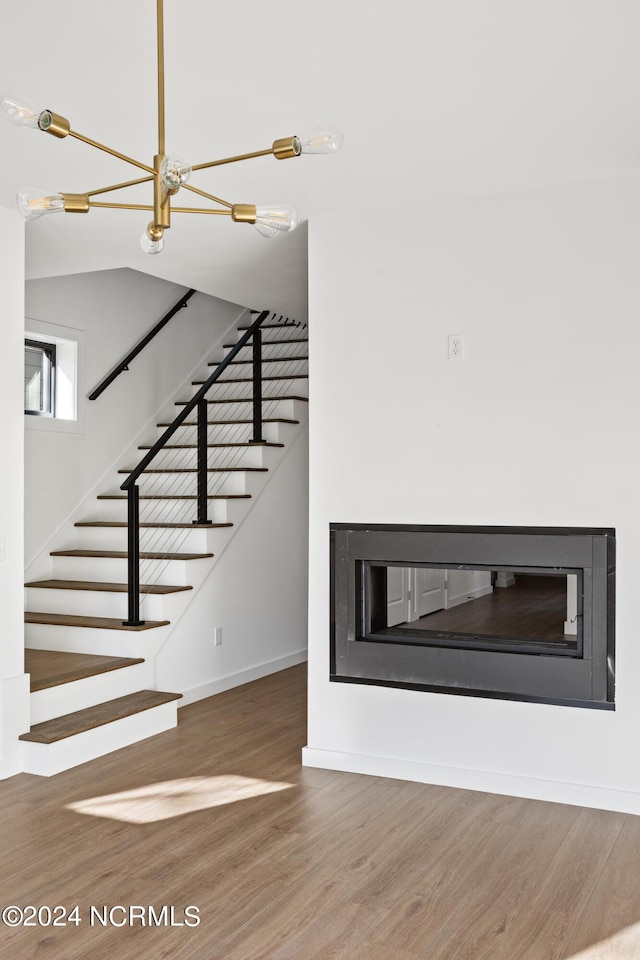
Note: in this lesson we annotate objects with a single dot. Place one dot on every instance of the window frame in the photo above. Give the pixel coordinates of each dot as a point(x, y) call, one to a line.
point(48, 350)
point(70, 367)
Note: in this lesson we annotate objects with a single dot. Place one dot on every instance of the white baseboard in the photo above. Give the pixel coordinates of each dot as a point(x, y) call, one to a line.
point(210, 689)
point(486, 781)
point(469, 595)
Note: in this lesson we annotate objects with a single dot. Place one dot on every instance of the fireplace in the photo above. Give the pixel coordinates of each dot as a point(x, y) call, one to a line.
point(519, 613)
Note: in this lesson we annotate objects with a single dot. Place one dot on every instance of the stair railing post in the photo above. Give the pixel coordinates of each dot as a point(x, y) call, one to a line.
point(203, 456)
point(133, 556)
point(257, 387)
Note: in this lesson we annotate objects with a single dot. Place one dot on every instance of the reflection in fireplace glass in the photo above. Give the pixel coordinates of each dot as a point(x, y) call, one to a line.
point(475, 607)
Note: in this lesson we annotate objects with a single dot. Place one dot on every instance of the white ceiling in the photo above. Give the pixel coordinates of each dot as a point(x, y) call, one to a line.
point(437, 99)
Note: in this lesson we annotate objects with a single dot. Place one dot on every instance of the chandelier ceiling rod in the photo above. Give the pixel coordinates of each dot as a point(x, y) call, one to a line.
point(160, 33)
point(168, 174)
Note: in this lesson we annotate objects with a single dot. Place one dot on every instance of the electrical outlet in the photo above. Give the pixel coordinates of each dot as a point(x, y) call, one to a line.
point(456, 346)
point(217, 636)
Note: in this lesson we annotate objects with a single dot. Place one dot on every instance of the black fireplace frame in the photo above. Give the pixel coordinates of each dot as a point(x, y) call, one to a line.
point(582, 677)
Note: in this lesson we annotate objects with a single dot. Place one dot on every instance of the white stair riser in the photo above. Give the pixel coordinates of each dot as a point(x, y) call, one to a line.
point(95, 603)
point(105, 643)
point(253, 456)
point(198, 540)
point(272, 342)
point(89, 692)
point(116, 571)
point(164, 540)
point(219, 511)
point(227, 432)
point(239, 432)
point(235, 432)
point(269, 349)
point(187, 483)
point(243, 409)
point(284, 387)
point(47, 760)
point(281, 332)
point(276, 366)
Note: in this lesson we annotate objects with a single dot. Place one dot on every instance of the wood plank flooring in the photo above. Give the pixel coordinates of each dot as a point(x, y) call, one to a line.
point(286, 863)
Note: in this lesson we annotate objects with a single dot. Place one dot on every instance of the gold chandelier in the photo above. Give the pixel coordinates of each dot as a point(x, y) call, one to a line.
point(169, 174)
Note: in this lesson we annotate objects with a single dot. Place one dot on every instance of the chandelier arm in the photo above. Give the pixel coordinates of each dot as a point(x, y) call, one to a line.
point(142, 206)
point(221, 213)
point(120, 206)
point(242, 156)
point(207, 196)
point(118, 186)
point(113, 153)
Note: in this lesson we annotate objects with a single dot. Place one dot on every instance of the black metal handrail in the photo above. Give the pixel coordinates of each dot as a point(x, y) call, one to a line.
point(197, 401)
point(139, 347)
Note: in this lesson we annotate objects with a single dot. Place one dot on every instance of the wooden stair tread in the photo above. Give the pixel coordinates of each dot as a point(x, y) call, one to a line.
point(228, 423)
point(176, 496)
point(212, 446)
point(183, 403)
point(82, 720)
point(122, 555)
point(195, 470)
point(265, 343)
point(100, 586)
point(275, 326)
point(94, 623)
point(264, 360)
point(284, 376)
point(51, 668)
point(158, 525)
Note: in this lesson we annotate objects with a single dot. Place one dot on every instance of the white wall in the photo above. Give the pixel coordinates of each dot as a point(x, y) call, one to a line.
point(537, 425)
point(113, 310)
point(256, 592)
point(14, 690)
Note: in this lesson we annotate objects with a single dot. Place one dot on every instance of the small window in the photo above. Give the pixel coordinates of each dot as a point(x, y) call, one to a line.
point(39, 378)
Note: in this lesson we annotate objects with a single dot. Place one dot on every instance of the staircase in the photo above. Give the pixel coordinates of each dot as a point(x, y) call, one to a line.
point(92, 674)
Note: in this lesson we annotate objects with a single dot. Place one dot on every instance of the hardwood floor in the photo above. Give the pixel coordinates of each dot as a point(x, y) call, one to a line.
point(286, 863)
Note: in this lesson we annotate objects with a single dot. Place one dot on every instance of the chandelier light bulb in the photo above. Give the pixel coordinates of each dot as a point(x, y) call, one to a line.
point(272, 220)
point(174, 172)
point(320, 140)
point(152, 240)
point(14, 110)
point(33, 204)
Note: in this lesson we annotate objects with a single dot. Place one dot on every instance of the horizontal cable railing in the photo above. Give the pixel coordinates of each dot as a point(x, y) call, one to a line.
point(180, 471)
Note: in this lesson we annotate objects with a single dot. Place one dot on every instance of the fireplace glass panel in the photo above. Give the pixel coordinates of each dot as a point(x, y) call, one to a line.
point(474, 607)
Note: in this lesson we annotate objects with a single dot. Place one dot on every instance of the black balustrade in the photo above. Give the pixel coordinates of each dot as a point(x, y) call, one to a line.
point(199, 403)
